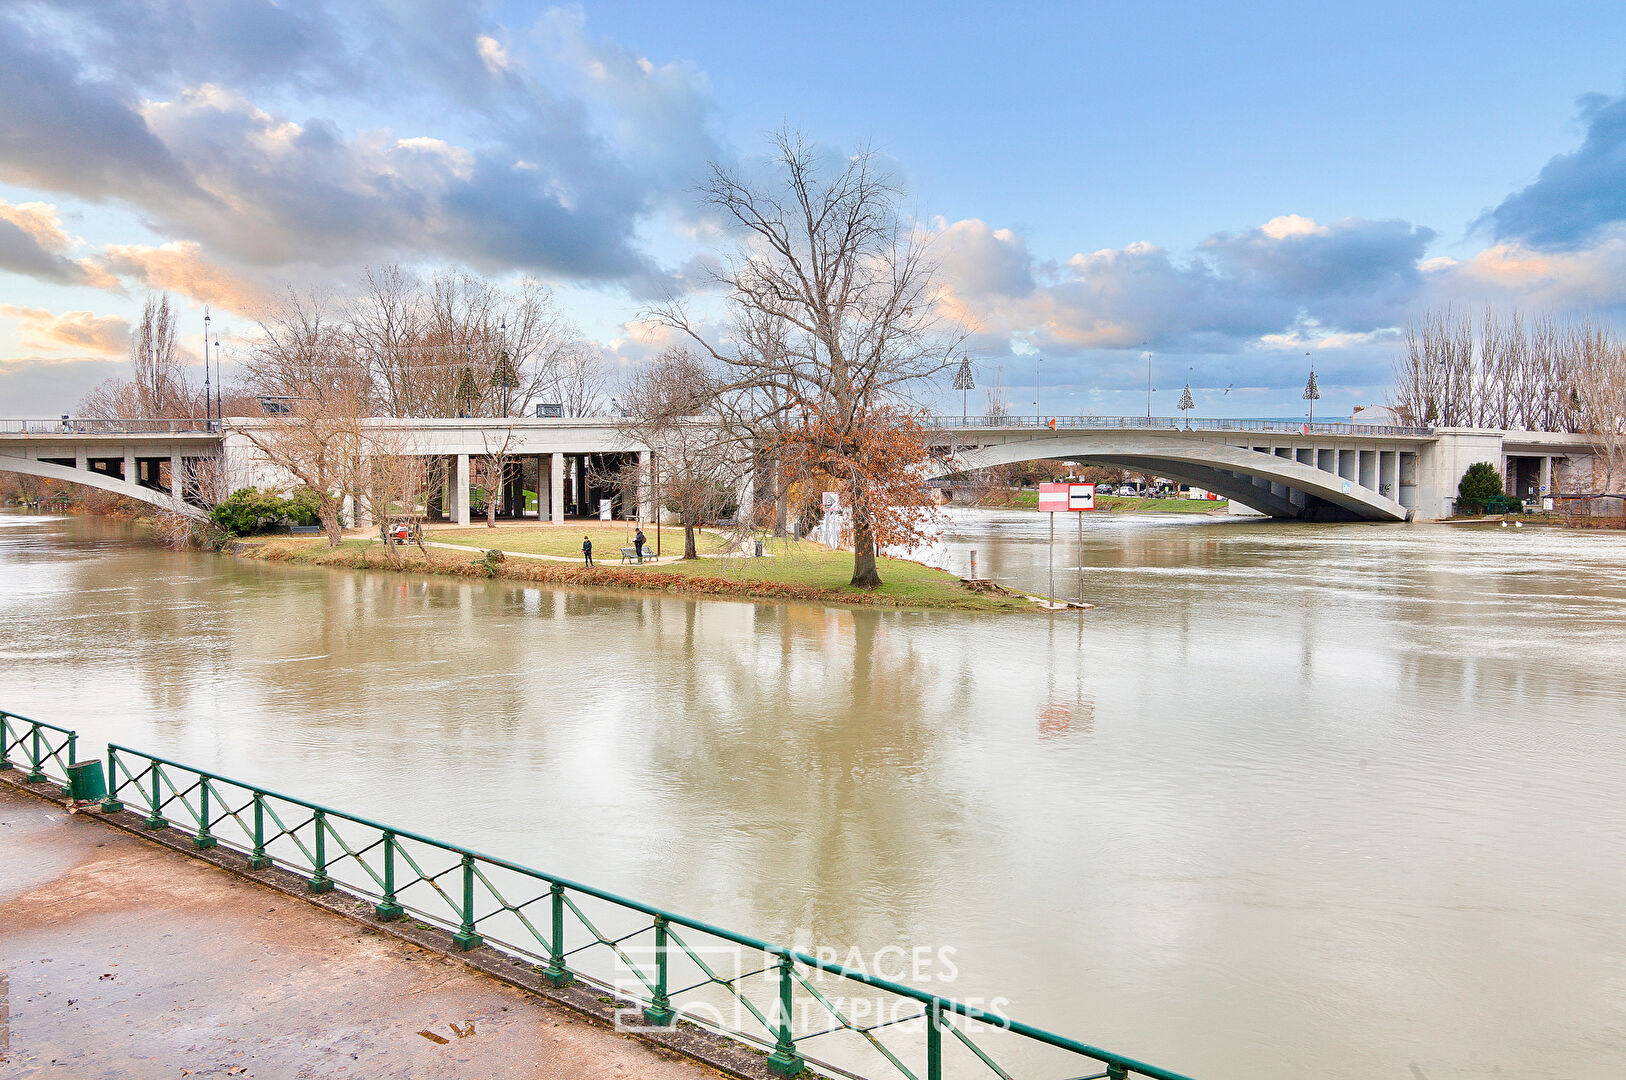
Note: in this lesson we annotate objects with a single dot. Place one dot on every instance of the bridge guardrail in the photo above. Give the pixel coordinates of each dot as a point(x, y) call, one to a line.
point(42, 744)
point(663, 966)
point(1168, 423)
point(91, 426)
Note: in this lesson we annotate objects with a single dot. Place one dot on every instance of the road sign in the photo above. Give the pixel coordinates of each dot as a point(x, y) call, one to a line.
point(1060, 498)
point(832, 501)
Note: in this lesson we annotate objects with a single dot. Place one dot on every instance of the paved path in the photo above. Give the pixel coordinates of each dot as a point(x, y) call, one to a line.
point(119, 959)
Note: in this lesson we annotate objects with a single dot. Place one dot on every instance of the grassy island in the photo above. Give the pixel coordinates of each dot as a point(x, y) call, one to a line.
point(551, 554)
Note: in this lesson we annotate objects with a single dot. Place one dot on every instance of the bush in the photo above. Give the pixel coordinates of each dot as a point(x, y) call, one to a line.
point(248, 511)
point(1477, 487)
point(489, 561)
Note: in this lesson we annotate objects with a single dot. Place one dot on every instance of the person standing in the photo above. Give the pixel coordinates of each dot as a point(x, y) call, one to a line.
point(638, 544)
point(587, 551)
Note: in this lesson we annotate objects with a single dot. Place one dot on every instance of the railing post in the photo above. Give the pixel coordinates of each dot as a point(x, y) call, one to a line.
point(934, 1040)
point(111, 804)
point(258, 859)
point(35, 773)
point(387, 909)
point(73, 738)
point(5, 740)
point(155, 820)
point(659, 1013)
point(203, 841)
point(556, 972)
point(466, 938)
point(321, 883)
point(1116, 1072)
point(785, 1060)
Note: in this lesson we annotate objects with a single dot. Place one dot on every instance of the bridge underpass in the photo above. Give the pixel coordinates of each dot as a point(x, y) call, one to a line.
point(1319, 481)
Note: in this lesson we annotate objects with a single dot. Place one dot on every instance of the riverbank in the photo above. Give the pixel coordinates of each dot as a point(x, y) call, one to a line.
point(789, 570)
point(122, 957)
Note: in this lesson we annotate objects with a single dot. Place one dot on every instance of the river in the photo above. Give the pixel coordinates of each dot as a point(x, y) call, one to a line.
point(1292, 801)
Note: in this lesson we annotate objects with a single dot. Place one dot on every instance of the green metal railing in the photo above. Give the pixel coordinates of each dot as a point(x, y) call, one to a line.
point(658, 966)
point(39, 745)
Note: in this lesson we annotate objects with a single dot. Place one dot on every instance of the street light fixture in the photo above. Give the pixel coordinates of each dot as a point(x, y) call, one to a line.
point(1312, 393)
point(207, 418)
point(1038, 363)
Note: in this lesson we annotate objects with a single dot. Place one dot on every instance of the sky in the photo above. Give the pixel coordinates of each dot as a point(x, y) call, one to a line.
point(1226, 195)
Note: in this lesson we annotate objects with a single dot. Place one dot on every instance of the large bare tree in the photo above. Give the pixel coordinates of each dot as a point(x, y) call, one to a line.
point(832, 272)
point(304, 358)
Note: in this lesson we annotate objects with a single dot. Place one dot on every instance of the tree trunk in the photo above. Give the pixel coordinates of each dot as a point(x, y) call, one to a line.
point(493, 491)
point(865, 576)
point(689, 549)
point(328, 513)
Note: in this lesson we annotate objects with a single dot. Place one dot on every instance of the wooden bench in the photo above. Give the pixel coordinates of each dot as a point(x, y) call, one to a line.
point(304, 530)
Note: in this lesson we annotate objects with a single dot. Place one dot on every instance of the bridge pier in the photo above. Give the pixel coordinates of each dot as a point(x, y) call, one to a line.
point(460, 489)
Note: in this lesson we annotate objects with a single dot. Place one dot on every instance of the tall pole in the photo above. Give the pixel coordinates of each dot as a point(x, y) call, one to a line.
point(1037, 417)
point(1148, 356)
point(220, 381)
point(207, 415)
point(1052, 560)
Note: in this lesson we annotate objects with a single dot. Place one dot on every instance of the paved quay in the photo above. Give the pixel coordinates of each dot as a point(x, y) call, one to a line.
point(123, 959)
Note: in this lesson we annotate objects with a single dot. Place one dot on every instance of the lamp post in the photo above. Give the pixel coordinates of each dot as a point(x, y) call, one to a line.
point(1038, 364)
point(965, 384)
point(1147, 356)
point(207, 417)
point(1312, 393)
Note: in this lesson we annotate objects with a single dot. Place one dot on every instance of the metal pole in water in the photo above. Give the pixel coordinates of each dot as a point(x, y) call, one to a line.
point(1052, 557)
point(1080, 559)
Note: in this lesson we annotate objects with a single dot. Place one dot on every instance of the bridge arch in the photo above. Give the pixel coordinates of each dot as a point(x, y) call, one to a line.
point(1266, 482)
point(51, 470)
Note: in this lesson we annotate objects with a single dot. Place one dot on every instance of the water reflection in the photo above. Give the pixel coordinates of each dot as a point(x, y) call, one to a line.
point(1292, 801)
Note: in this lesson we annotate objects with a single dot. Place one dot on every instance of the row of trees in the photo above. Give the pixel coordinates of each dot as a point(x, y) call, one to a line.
point(1512, 372)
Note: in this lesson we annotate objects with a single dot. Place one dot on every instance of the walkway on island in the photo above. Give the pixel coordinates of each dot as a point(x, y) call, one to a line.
point(121, 958)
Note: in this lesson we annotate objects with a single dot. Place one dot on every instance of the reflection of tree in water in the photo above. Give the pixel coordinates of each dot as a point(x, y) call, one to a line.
point(821, 783)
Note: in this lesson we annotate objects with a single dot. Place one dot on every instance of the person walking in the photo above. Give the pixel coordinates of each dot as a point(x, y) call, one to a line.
point(638, 544)
point(587, 551)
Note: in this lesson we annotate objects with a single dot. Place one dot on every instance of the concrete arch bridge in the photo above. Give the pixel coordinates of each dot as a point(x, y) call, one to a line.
point(1320, 472)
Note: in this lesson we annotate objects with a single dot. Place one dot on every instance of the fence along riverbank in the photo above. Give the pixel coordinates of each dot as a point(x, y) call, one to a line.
point(662, 968)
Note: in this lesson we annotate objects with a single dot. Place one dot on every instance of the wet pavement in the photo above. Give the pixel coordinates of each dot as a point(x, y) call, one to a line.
point(119, 958)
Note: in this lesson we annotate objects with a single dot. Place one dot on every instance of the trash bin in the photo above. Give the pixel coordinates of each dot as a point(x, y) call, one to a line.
point(86, 783)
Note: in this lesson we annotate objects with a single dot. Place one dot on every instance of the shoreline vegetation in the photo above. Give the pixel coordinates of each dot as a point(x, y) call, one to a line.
point(789, 570)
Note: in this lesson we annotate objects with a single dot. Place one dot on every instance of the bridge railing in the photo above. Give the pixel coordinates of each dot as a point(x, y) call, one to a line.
point(47, 750)
point(1167, 423)
point(89, 426)
point(659, 967)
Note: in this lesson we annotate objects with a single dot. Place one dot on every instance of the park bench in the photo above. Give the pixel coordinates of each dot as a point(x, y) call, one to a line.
point(304, 530)
point(631, 554)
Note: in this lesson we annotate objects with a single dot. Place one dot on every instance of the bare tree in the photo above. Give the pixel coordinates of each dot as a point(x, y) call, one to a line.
point(828, 256)
point(159, 378)
point(1600, 385)
point(670, 409)
point(304, 357)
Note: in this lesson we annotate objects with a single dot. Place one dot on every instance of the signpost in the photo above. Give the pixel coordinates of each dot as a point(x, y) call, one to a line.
point(1066, 498)
point(832, 519)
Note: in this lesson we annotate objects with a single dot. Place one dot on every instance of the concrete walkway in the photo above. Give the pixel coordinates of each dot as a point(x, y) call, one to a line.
point(121, 959)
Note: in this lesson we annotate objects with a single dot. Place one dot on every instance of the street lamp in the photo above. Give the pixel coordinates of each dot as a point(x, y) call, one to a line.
point(1312, 393)
point(220, 381)
point(965, 384)
point(1038, 363)
point(207, 418)
point(1147, 356)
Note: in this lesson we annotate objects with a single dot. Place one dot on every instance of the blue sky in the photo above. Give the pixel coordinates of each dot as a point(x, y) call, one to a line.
point(1227, 189)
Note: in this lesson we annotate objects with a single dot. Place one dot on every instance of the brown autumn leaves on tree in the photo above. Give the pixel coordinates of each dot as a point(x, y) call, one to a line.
point(833, 326)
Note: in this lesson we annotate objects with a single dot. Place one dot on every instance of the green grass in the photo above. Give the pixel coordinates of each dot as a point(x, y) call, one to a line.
point(793, 570)
point(534, 538)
